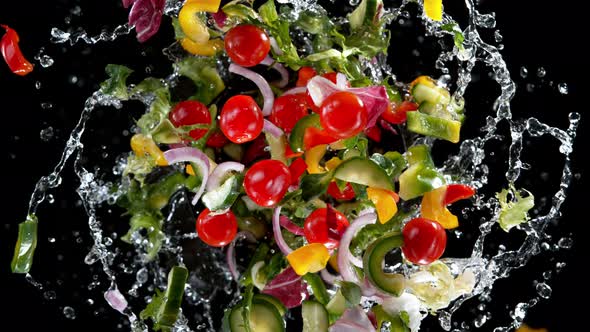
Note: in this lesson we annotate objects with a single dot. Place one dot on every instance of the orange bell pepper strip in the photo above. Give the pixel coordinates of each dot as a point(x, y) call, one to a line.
point(434, 203)
point(385, 203)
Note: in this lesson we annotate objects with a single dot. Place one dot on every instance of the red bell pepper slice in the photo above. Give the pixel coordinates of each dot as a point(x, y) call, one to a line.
point(12, 54)
point(457, 192)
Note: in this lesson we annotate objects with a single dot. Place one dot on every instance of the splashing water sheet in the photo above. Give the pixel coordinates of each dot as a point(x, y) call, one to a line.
point(498, 237)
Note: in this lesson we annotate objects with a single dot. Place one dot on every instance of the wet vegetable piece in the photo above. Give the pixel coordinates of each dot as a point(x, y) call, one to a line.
point(343, 115)
point(288, 110)
point(12, 54)
point(318, 229)
point(345, 194)
point(398, 114)
point(241, 119)
point(188, 113)
point(247, 45)
point(266, 182)
point(217, 230)
point(26, 244)
point(424, 241)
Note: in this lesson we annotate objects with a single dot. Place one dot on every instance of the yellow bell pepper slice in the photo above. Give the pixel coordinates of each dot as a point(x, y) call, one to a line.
point(191, 25)
point(384, 203)
point(333, 261)
point(210, 6)
point(433, 9)
point(433, 208)
point(313, 157)
point(309, 259)
point(209, 48)
point(333, 163)
point(143, 145)
point(526, 328)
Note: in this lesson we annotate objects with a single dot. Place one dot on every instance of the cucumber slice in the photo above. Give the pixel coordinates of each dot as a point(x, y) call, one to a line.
point(429, 125)
point(417, 180)
point(363, 171)
point(391, 283)
point(431, 93)
point(223, 197)
point(272, 300)
point(315, 317)
point(174, 292)
point(298, 132)
point(264, 317)
point(337, 304)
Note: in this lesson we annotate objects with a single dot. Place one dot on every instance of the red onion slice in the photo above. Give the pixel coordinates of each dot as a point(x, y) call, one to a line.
point(320, 88)
point(345, 257)
point(290, 226)
point(353, 320)
point(329, 277)
point(231, 256)
point(261, 83)
point(275, 46)
point(195, 156)
point(268, 61)
point(272, 129)
point(276, 229)
point(220, 171)
point(295, 91)
point(115, 299)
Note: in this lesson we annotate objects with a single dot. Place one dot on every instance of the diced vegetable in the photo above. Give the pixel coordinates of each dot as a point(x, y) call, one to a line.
point(24, 250)
point(315, 317)
point(263, 317)
point(164, 307)
point(421, 176)
point(391, 283)
point(363, 171)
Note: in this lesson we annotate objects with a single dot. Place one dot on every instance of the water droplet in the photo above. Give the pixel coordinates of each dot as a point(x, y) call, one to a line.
point(480, 320)
point(51, 239)
point(444, 319)
point(49, 295)
point(530, 87)
point(73, 79)
point(46, 106)
point(354, 2)
point(58, 36)
point(498, 36)
point(50, 199)
point(547, 275)
point(142, 276)
point(559, 266)
point(543, 290)
point(563, 89)
point(541, 72)
point(37, 85)
point(520, 312)
point(46, 134)
point(524, 72)
point(69, 313)
point(90, 301)
point(46, 61)
point(565, 243)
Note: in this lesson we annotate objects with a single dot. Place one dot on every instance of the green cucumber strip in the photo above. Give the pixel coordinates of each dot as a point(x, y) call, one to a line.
point(432, 94)
point(337, 304)
point(363, 171)
point(429, 125)
point(318, 287)
point(397, 324)
point(298, 132)
point(315, 317)
point(24, 250)
point(223, 197)
point(173, 298)
point(272, 300)
point(391, 283)
point(259, 255)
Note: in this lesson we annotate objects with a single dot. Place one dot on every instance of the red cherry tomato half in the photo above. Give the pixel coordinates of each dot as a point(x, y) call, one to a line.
point(241, 119)
point(287, 110)
point(304, 75)
point(247, 45)
point(297, 169)
point(217, 140)
point(457, 192)
point(331, 76)
point(267, 181)
point(217, 230)
point(317, 229)
point(398, 115)
point(343, 115)
point(314, 136)
point(345, 195)
point(424, 241)
point(188, 113)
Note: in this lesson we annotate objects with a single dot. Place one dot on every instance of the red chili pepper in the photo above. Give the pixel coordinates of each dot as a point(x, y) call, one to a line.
point(12, 53)
point(457, 192)
point(297, 168)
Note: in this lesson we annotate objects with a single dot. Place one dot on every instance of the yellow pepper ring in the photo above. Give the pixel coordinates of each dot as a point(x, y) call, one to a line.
point(190, 23)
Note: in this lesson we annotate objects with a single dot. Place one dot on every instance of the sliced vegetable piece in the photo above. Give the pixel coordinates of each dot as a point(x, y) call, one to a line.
point(272, 300)
point(390, 283)
point(263, 317)
point(433, 9)
point(26, 243)
point(224, 196)
point(298, 132)
point(363, 171)
point(317, 287)
point(164, 308)
point(384, 203)
point(514, 207)
point(429, 125)
point(310, 258)
point(315, 317)
point(421, 176)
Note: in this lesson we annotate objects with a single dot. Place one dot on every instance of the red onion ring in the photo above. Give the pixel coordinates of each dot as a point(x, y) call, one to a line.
point(220, 171)
point(290, 226)
point(115, 299)
point(276, 230)
point(268, 61)
point(275, 46)
point(345, 258)
point(329, 277)
point(230, 255)
point(295, 91)
point(271, 128)
point(261, 83)
point(196, 157)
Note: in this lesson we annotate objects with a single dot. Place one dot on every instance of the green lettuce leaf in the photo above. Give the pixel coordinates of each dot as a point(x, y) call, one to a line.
point(116, 84)
point(514, 207)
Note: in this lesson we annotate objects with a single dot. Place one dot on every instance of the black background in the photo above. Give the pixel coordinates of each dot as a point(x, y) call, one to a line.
point(536, 33)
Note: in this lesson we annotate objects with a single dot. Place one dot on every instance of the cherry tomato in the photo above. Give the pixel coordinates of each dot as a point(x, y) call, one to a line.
point(457, 192)
point(398, 115)
point(332, 77)
point(188, 113)
point(297, 169)
point(217, 230)
point(217, 140)
point(247, 45)
point(345, 195)
point(287, 110)
point(424, 241)
point(343, 115)
point(304, 75)
point(317, 228)
point(266, 182)
point(241, 119)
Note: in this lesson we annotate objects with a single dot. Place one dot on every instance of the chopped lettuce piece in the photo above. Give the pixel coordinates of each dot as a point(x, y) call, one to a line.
point(514, 207)
point(116, 84)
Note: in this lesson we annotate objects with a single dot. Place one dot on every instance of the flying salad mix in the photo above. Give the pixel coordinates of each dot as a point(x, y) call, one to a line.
point(288, 141)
